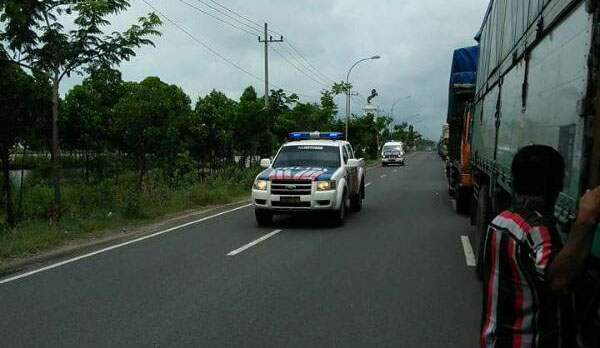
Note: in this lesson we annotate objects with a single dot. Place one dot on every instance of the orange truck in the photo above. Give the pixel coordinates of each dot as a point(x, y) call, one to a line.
point(463, 78)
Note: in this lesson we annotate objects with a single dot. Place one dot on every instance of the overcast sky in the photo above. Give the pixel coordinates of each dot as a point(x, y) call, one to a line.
point(415, 39)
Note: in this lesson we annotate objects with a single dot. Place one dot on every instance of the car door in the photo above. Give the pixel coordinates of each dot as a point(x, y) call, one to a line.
point(347, 171)
point(352, 172)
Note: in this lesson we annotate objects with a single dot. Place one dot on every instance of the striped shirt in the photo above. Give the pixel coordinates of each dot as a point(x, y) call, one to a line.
point(519, 309)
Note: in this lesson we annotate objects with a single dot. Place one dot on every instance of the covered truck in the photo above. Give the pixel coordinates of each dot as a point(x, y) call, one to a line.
point(463, 77)
point(537, 83)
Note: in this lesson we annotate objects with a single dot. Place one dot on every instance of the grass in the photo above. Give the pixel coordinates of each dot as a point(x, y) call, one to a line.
point(93, 209)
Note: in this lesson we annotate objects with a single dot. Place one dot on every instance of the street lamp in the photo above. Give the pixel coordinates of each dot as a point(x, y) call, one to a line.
point(396, 102)
point(348, 90)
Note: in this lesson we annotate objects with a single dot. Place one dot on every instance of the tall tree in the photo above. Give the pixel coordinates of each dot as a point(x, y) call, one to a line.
point(148, 120)
point(34, 36)
point(22, 98)
point(88, 112)
point(216, 113)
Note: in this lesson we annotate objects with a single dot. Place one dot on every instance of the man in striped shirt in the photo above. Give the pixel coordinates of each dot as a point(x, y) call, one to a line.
point(527, 270)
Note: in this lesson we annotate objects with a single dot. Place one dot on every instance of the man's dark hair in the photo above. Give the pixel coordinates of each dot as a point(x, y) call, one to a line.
point(538, 170)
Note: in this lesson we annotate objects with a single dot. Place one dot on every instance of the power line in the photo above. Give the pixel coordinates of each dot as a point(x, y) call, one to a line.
point(217, 18)
point(304, 66)
point(295, 66)
point(228, 16)
point(239, 15)
point(216, 53)
point(319, 73)
point(309, 63)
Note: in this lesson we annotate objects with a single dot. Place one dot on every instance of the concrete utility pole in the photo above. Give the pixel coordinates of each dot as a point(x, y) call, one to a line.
point(268, 39)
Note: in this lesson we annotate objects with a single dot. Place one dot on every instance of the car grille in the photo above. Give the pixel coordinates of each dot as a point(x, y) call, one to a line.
point(291, 187)
point(291, 205)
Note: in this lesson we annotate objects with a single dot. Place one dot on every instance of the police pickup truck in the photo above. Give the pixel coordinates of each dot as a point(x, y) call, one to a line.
point(315, 172)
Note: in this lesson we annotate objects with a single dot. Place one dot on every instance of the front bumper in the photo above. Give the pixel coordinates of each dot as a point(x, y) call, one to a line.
point(393, 160)
point(316, 201)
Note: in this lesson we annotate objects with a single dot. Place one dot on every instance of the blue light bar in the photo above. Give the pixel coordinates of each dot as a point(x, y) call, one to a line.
point(316, 135)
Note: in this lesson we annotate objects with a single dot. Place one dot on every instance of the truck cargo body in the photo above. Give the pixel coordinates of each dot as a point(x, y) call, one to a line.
point(536, 85)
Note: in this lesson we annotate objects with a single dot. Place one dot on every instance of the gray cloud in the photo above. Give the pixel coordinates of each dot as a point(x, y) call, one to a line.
point(415, 38)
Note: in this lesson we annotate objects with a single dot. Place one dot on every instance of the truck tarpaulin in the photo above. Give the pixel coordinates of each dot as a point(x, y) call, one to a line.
point(463, 78)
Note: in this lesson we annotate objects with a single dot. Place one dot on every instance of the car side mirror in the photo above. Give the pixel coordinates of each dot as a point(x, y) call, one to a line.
point(353, 162)
point(265, 163)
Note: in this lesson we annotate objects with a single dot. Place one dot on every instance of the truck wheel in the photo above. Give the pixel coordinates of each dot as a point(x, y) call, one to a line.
point(357, 200)
point(264, 218)
point(340, 214)
point(463, 200)
point(482, 220)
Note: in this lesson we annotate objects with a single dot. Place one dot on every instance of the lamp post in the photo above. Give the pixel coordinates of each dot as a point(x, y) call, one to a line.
point(396, 102)
point(348, 90)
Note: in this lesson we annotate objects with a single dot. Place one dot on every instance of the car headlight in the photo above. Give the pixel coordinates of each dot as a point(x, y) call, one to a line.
point(325, 185)
point(260, 185)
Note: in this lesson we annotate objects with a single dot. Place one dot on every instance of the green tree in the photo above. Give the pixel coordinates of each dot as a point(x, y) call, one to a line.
point(22, 98)
point(215, 114)
point(250, 125)
point(148, 121)
point(35, 37)
point(88, 112)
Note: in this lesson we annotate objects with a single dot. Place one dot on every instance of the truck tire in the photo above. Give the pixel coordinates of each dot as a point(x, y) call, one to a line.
point(339, 215)
point(483, 217)
point(357, 200)
point(264, 218)
point(463, 200)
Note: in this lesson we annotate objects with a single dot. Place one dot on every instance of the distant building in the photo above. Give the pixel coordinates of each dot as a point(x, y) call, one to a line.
point(371, 109)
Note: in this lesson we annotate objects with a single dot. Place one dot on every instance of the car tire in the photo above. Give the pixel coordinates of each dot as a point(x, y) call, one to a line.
point(340, 214)
point(483, 218)
point(264, 218)
point(357, 200)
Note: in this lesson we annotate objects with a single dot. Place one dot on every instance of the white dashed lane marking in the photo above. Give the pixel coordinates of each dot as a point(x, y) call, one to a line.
point(469, 255)
point(253, 243)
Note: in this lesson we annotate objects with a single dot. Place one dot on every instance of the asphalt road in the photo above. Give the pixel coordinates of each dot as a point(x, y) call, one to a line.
point(394, 276)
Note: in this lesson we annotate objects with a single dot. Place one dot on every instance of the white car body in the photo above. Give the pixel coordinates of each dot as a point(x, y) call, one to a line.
point(392, 152)
point(295, 188)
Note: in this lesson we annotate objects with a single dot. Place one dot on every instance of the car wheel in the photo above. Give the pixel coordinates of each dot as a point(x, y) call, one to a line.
point(340, 214)
point(264, 218)
point(357, 200)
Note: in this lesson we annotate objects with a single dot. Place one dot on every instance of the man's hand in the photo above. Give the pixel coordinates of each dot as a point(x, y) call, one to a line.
point(570, 260)
point(589, 207)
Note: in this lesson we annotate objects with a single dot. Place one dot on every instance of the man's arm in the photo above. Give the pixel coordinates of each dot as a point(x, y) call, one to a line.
point(570, 260)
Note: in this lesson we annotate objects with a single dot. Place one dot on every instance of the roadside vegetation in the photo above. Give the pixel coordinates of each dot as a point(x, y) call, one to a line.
point(126, 152)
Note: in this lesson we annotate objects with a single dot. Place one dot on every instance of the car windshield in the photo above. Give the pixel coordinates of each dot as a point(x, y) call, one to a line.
point(392, 148)
point(308, 156)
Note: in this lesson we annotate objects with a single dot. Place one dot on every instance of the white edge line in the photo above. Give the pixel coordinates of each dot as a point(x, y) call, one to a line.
point(368, 184)
point(383, 176)
point(62, 263)
point(253, 243)
point(469, 255)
